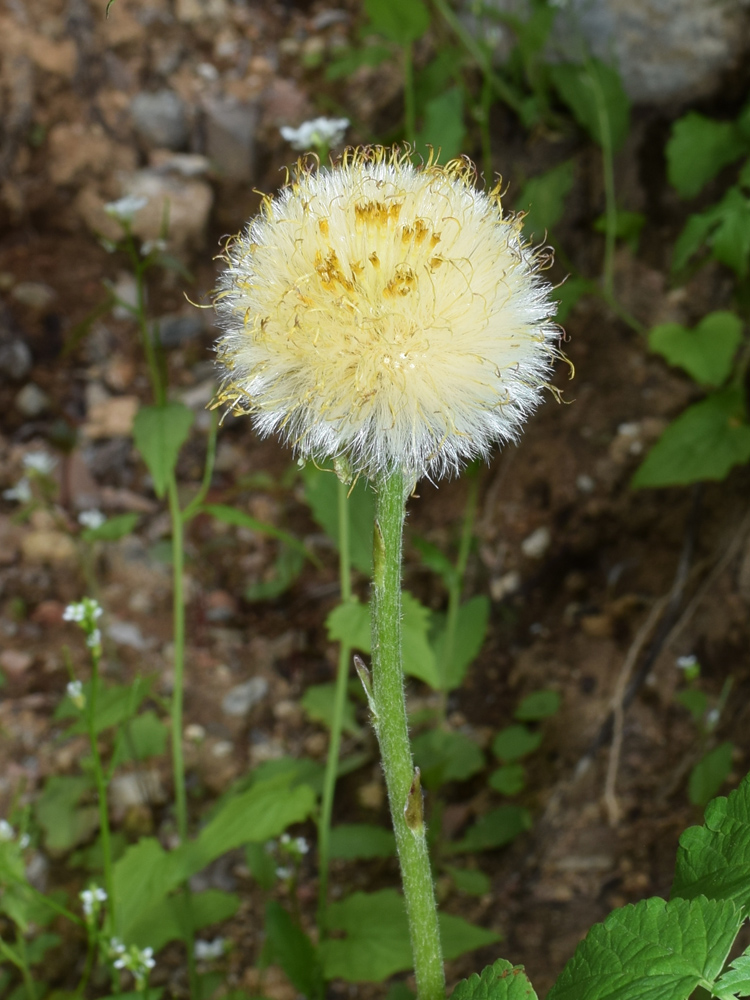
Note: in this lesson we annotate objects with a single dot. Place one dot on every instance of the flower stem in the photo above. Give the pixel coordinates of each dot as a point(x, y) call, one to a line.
point(101, 787)
point(334, 747)
point(389, 709)
point(410, 122)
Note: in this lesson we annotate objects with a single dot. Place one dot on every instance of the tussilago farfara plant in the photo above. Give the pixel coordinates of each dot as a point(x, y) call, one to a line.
point(390, 317)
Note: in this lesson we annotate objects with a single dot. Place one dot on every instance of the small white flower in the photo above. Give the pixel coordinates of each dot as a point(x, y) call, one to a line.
point(94, 639)
point(116, 946)
point(302, 845)
point(74, 691)
point(40, 462)
point(20, 492)
point(125, 209)
point(151, 246)
point(283, 872)
point(317, 132)
point(687, 662)
point(23, 841)
point(91, 898)
point(712, 717)
point(147, 958)
point(285, 839)
point(207, 950)
point(91, 519)
point(6, 830)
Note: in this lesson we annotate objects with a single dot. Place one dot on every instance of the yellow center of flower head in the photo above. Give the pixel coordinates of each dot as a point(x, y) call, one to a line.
point(385, 314)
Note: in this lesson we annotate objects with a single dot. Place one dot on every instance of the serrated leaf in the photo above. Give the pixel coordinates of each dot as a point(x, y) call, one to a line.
point(713, 860)
point(350, 623)
point(443, 755)
point(705, 352)
point(730, 241)
point(144, 736)
point(159, 432)
point(595, 95)
point(443, 128)
point(470, 632)
point(351, 841)
point(322, 494)
point(293, 950)
point(64, 822)
point(500, 981)
point(542, 198)
point(318, 701)
point(401, 23)
point(736, 980)
point(515, 742)
point(698, 149)
point(493, 830)
point(537, 705)
point(704, 442)
point(709, 774)
point(651, 951)
point(377, 937)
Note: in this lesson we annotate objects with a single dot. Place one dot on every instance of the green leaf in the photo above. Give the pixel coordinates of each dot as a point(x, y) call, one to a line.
point(706, 352)
point(353, 59)
point(692, 238)
point(322, 494)
point(628, 226)
point(704, 442)
point(167, 918)
point(509, 779)
point(595, 95)
point(399, 22)
point(710, 773)
point(239, 519)
point(537, 705)
point(293, 950)
point(377, 937)
point(159, 432)
point(113, 529)
point(64, 823)
point(515, 742)
point(730, 242)
point(435, 559)
point(349, 623)
point(501, 981)
point(443, 127)
point(443, 755)
point(286, 569)
point(698, 149)
point(38, 947)
point(714, 860)
point(262, 865)
point(736, 980)
point(469, 880)
point(495, 829)
point(437, 76)
point(471, 629)
point(695, 702)
point(568, 295)
point(318, 702)
point(350, 841)
point(651, 951)
point(145, 736)
point(114, 706)
point(543, 198)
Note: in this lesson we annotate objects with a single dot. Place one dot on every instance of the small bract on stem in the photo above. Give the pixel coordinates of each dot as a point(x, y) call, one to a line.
point(391, 318)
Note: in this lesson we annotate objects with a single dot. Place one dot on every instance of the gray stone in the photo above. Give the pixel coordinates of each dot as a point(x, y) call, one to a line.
point(32, 401)
point(15, 358)
point(174, 331)
point(230, 127)
point(665, 50)
point(160, 119)
point(240, 699)
point(34, 294)
point(128, 634)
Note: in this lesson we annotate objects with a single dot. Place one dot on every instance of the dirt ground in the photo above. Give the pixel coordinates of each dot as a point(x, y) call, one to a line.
point(567, 618)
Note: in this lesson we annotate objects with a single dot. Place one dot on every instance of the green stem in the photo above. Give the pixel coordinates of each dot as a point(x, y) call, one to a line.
point(410, 115)
point(608, 167)
point(455, 590)
point(485, 108)
point(389, 710)
point(208, 470)
point(101, 789)
point(178, 760)
point(334, 747)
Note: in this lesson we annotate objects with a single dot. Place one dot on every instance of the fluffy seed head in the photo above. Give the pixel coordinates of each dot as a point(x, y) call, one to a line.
point(385, 315)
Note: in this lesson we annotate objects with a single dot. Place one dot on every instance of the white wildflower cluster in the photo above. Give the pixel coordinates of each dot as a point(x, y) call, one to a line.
point(39, 462)
point(74, 691)
point(20, 493)
point(205, 951)
point(36, 464)
point(6, 830)
point(125, 209)
point(687, 662)
point(85, 613)
point(91, 519)
point(139, 961)
point(291, 850)
point(92, 900)
point(318, 132)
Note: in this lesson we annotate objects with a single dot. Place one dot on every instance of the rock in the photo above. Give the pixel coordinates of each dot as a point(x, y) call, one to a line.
point(111, 418)
point(186, 203)
point(15, 355)
point(160, 119)
point(59, 58)
point(32, 401)
point(139, 788)
point(537, 543)
point(125, 288)
point(666, 50)
point(240, 699)
point(128, 634)
point(230, 127)
point(190, 11)
point(15, 661)
point(48, 547)
point(34, 294)
point(505, 585)
point(174, 331)
point(76, 153)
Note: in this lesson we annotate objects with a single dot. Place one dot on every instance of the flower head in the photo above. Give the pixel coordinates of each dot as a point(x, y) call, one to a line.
point(92, 519)
point(39, 462)
point(75, 693)
point(125, 209)
point(92, 899)
point(318, 132)
point(385, 315)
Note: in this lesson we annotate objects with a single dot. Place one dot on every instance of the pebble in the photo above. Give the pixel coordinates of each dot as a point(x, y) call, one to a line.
point(174, 331)
point(187, 200)
point(46, 547)
point(160, 119)
point(15, 661)
point(34, 294)
point(31, 401)
point(138, 788)
point(111, 417)
point(509, 583)
point(15, 355)
point(128, 634)
point(48, 612)
point(536, 544)
point(240, 699)
point(230, 127)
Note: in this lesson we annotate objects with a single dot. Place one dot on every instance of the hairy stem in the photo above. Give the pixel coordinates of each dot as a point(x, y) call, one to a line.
point(389, 710)
point(101, 787)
